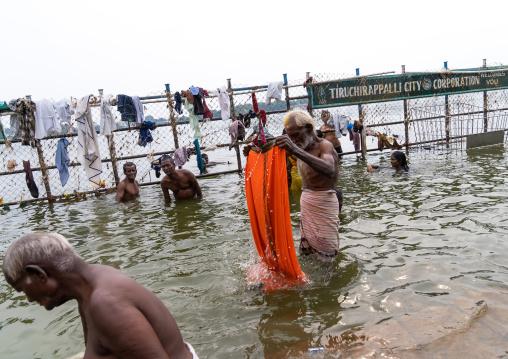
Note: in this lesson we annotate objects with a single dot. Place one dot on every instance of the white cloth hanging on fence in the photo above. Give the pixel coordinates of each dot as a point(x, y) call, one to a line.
point(223, 97)
point(340, 123)
point(64, 109)
point(108, 123)
point(45, 118)
point(88, 146)
point(274, 91)
point(140, 115)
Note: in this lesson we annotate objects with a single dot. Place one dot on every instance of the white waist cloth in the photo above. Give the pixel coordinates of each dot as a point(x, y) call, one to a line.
point(191, 349)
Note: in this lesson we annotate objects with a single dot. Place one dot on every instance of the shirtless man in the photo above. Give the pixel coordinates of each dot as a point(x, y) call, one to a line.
point(317, 163)
point(121, 318)
point(182, 182)
point(329, 132)
point(128, 189)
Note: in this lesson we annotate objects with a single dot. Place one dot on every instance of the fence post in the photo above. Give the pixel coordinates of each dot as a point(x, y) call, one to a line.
point(406, 116)
point(307, 75)
point(172, 119)
point(288, 105)
point(485, 105)
point(42, 164)
point(363, 135)
point(233, 118)
point(112, 151)
point(447, 112)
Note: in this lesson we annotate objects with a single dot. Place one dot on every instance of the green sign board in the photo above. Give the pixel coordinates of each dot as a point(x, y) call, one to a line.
point(405, 86)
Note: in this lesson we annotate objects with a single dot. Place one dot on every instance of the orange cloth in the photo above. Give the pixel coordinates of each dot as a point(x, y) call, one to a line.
point(266, 189)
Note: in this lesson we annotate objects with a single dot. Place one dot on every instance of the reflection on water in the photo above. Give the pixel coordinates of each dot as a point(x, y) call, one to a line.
point(428, 244)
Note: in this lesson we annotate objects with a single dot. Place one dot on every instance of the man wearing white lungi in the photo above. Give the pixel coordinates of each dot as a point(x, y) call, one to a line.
point(318, 166)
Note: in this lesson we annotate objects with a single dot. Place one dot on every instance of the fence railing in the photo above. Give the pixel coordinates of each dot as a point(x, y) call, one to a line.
point(413, 122)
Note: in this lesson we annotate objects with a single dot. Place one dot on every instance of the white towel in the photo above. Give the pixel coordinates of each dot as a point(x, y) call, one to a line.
point(274, 91)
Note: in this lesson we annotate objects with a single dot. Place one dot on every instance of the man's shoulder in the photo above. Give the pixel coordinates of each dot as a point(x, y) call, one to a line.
point(325, 145)
point(186, 172)
point(122, 184)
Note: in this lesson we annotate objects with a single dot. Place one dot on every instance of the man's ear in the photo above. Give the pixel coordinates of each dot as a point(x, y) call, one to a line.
point(36, 272)
point(308, 127)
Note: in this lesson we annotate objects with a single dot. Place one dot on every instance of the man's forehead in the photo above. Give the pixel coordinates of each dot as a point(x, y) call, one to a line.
point(131, 166)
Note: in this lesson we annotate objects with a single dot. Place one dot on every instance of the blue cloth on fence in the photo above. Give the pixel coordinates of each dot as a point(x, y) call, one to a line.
point(62, 160)
point(178, 103)
point(145, 135)
point(194, 90)
point(201, 165)
point(126, 108)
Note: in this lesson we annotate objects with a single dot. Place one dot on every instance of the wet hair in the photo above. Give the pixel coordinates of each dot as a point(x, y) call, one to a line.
point(128, 164)
point(36, 248)
point(301, 118)
point(167, 158)
point(401, 157)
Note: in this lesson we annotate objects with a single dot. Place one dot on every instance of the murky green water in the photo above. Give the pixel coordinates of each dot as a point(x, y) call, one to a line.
point(410, 244)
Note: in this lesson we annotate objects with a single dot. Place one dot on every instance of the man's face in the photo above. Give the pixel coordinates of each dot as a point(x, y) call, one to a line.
point(300, 136)
point(43, 293)
point(130, 172)
point(167, 167)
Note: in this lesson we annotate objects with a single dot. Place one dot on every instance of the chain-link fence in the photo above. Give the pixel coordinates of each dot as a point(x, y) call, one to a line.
point(428, 121)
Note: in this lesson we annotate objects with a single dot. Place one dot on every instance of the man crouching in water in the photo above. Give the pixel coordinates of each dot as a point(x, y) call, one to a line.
point(128, 189)
point(182, 182)
point(121, 318)
point(317, 163)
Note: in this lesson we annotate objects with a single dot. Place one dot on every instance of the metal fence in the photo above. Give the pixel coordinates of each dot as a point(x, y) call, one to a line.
point(416, 122)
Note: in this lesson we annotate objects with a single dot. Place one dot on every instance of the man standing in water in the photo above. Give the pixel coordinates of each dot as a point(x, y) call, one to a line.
point(329, 132)
point(182, 182)
point(121, 318)
point(317, 163)
point(128, 189)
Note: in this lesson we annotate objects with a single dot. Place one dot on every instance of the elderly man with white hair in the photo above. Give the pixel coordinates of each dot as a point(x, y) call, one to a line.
point(317, 163)
point(121, 318)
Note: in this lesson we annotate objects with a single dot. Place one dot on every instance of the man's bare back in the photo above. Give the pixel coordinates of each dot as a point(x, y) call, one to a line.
point(182, 183)
point(120, 313)
point(330, 136)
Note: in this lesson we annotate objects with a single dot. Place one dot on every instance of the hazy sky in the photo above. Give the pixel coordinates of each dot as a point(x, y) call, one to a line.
point(55, 49)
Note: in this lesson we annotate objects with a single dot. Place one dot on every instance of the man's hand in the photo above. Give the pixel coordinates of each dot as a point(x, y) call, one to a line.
point(285, 142)
point(369, 168)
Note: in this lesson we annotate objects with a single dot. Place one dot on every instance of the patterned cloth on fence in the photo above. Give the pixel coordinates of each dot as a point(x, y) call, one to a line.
point(356, 141)
point(178, 103)
point(156, 166)
point(4, 107)
point(223, 97)
point(140, 114)
point(234, 131)
point(25, 109)
point(127, 108)
point(29, 178)
point(198, 102)
point(145, 135)
point(45, 118)
point(268, 203)
point(193, 119)
point(88, 146)
point(274, 91)
point(108, 124)
point(14, 123)
point(199, 159)
point(62, 160)
point(64, 109)
point(319, 225)
point(181, 155)
point(207, 113)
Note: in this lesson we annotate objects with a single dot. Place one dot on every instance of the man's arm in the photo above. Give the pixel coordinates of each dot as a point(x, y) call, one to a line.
point(195, 184)
point(125, 331)
point(120, 191)
point(165, 191)
point(324, 165)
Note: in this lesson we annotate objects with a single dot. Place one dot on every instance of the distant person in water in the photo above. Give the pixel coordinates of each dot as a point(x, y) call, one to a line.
point(128, 189)
point(182, 183)
point(328, 133)
point(120, 318)
point(397, 160)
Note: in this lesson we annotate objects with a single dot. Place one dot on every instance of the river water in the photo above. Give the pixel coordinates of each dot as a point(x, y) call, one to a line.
point(419, 254)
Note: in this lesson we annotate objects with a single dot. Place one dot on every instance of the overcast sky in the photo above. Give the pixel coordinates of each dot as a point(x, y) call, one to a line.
point(55, 49)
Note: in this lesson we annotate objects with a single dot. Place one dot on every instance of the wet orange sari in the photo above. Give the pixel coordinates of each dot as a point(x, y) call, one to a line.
point(266, 189)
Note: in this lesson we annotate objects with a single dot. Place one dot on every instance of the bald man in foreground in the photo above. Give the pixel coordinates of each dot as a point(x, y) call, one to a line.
point(121, 318)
